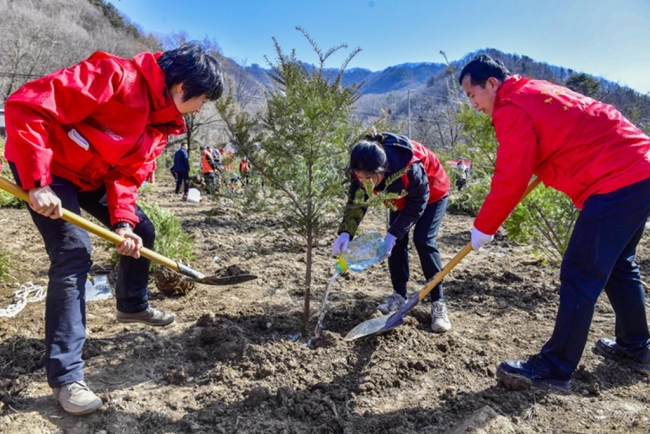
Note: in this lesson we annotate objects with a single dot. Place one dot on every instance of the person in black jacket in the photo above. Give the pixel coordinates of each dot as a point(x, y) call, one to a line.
point(377, 159)
point(181, 168)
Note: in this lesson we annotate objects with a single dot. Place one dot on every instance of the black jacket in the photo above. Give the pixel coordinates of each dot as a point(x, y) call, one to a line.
point(399, 153)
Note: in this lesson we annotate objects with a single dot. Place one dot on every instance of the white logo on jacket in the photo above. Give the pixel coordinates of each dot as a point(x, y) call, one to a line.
point(111, 134)
point(78, 139)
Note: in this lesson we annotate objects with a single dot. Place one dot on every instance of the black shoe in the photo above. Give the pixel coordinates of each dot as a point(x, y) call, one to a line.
point(611, 350)
point(521, 374)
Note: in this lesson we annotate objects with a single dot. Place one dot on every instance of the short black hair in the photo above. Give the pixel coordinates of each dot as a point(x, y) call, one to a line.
point(482, 67)
point(368, 156)
point(199, 72)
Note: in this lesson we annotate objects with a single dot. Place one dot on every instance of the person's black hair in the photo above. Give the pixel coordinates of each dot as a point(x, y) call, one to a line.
point(198, 71)
point(369, 156)
point(482, 67)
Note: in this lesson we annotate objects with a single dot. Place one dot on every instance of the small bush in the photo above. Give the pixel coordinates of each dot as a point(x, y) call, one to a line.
point(171, 240)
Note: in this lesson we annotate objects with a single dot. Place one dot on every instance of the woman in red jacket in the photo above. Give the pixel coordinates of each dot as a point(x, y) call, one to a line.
point(377, 159)
point(589, 151)
point(86, 137)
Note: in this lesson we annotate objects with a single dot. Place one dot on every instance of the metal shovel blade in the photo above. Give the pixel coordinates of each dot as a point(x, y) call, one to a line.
point(375, 326)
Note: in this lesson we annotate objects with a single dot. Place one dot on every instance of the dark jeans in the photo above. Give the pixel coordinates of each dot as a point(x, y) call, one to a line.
point(69, 250)
point(210, 179)
point(600, 256)
point(424, 238)
point(182, 177)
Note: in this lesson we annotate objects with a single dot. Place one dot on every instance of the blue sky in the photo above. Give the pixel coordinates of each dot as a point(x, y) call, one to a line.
point(606, 38)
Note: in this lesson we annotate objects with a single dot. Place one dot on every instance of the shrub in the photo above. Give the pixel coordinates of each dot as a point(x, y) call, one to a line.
point(171, 240)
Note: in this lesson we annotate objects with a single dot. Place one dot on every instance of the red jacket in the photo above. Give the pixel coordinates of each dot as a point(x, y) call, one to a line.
point(573, 143)
point(102, 121)
point(439, 183)
point(425, 182)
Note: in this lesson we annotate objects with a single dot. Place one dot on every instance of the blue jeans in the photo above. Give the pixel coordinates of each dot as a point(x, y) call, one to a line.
point(69, 250)
point(424, 238)
point(600, 255)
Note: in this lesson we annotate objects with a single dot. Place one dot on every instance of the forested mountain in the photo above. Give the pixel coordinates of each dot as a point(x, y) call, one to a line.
point(40, 36)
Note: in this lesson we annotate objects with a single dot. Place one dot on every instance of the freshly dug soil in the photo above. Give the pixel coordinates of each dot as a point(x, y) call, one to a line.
point(234, 362)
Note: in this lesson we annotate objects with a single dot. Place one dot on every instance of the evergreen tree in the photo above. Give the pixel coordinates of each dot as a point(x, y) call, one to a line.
point(299, 143)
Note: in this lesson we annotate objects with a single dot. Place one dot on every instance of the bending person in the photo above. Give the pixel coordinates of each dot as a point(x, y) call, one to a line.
point(86, 137)
point(425, 181)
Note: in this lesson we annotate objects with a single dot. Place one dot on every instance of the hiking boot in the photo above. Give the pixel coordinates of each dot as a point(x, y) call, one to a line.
point(611, 350)
point(531, 371)
point(439, 320)
point(393, 303)
point(150, 316)
point(76, 398)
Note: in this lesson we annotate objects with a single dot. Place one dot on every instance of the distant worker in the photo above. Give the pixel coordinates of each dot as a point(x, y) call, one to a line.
point(181, 168)
point(377, 159)
point(245, 170)
point(208, 167)
point(461, 174)
point(592, 153)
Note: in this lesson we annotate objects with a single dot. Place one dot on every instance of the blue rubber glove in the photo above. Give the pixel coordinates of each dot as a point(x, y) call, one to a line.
point(390, 240)
point(341, 244)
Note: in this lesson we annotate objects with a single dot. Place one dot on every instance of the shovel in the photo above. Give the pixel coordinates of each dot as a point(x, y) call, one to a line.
point(91, 227)
point(388, 322)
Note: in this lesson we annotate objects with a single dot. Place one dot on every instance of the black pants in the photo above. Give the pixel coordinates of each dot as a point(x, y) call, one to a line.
point(424, 238)
point(68, 248)
point(182, 177)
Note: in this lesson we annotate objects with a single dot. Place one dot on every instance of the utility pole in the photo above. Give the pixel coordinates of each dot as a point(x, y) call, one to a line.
point(409, 111)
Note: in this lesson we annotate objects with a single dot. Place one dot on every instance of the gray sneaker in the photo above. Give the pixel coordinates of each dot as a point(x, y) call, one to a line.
point(150, 316)
point(393, 303)
point(439, 320)
point(76, 398)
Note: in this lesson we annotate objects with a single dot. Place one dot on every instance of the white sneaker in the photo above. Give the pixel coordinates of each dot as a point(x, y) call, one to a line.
point(393, 303)
point(439, 320)
point(76, 398)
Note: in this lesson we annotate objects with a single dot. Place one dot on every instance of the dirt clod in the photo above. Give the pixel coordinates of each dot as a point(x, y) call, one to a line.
point(172, 283)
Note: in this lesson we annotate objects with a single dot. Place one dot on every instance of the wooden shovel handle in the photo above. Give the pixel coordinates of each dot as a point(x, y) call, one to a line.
point(89, 226)
point(464, 251)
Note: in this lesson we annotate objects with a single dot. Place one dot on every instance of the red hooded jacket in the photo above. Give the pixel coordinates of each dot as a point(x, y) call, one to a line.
point(573, 143)
point(102, 121)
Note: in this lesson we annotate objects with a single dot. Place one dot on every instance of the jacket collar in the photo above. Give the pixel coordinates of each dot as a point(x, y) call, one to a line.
point(509, 86)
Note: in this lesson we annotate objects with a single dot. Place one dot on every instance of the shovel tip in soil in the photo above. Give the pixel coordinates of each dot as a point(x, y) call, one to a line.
point(373, 326)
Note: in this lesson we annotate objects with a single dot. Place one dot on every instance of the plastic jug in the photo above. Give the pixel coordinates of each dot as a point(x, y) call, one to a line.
point(363, 251)
point(97, 288)
point(194, 195)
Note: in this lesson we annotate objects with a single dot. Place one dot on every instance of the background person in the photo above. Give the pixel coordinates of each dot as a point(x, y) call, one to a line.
point(376, 159)
point(245, 171)
point(86, 137)
point(589, 151)
point(208, 168)
point(181, 168)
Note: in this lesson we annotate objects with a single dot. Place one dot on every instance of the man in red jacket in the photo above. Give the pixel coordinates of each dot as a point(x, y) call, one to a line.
point(86, 137)
point(589, 151)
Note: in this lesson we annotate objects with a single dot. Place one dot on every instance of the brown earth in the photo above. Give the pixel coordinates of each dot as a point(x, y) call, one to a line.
point(230, 362)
